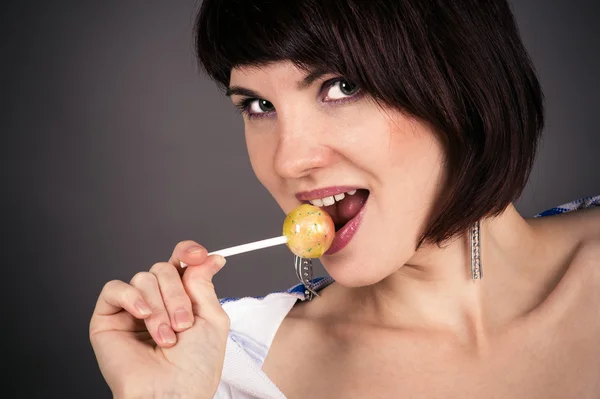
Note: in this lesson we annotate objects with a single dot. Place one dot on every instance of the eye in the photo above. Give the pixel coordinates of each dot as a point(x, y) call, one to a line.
point(341, 88)
point(258, 106)
point(255, 107)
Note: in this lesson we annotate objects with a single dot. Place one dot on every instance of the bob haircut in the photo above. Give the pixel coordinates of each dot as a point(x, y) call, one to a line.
point(459, 66)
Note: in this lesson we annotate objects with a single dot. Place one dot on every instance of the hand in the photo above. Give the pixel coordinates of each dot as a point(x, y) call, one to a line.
point(163, 334)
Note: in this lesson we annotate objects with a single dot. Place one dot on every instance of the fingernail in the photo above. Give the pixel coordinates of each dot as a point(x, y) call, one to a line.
point(183, 264)
point(182, 318)
point(166, 334)
point(143, 307)
point(219, 260)
point(194, 249)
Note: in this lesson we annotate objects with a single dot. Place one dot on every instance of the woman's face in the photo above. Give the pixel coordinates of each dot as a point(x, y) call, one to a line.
point(327, 136)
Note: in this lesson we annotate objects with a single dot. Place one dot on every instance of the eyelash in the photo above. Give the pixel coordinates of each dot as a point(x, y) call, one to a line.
point(244, 104)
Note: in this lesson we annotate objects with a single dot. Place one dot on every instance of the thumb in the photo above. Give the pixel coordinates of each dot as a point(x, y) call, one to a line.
point(197, 281)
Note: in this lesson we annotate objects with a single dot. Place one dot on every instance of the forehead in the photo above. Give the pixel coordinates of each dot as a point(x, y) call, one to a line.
point(244, 72)
point(285, 72)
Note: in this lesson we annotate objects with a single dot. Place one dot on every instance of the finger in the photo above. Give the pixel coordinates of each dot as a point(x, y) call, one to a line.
point(119, 307)
point(176, 300)
point(116, 296)
point(187, 253)
point(158, 324)
point(197, 281)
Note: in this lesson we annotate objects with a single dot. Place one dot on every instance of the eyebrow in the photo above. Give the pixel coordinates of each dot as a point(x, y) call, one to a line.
point(303, 84)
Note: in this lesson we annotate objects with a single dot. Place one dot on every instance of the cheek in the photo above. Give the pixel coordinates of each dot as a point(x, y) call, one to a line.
point(392, 146)
point(260, 152)
point(363, 138)
point(416, 165)
point(415, 151)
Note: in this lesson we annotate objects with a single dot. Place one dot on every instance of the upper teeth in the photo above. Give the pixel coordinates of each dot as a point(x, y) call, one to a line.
point(331, 199)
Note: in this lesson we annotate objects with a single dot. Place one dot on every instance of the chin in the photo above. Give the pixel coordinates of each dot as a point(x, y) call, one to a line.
point(355, 271)
point(370, 258)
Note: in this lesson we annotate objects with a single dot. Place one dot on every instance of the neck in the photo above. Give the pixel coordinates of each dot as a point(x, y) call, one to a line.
point(434, 290)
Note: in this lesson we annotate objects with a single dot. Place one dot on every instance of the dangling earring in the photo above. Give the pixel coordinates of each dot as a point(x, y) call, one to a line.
point(476, 268)
point(304, 271)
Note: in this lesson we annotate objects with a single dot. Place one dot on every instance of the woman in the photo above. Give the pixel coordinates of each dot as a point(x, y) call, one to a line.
point(420, 121)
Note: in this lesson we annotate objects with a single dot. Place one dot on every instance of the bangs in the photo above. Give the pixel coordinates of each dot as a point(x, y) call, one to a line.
point(323, 36)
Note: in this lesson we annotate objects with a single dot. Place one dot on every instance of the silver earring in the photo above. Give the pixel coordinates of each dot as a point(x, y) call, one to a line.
point(476, 267)
point(304, 271)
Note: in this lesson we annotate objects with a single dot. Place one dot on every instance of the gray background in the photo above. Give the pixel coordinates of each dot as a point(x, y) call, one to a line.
point(117, 148)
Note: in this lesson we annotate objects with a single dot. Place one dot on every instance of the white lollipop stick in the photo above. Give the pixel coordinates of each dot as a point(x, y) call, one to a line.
point(252, 246)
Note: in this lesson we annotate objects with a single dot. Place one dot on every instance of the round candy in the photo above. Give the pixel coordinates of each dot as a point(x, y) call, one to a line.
point(310, 231)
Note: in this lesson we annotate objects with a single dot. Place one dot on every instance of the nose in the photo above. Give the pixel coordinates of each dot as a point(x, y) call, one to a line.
point(302, 148)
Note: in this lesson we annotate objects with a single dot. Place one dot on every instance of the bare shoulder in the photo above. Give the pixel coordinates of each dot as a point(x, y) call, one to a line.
point(587, 260)
point(583, 293)
point(571, 232)
point(572, 241)
point(574, 299)
point(581, 223)
point(586, 222)
point(581, 230)
point(584, 228)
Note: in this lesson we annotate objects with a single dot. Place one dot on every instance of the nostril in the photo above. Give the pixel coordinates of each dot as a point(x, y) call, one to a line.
point(299, 156)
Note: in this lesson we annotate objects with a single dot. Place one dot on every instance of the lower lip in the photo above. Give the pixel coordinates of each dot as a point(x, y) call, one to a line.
point(345, 234)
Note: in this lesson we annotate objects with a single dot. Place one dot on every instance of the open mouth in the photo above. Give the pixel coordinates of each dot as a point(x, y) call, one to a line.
point(342, 207)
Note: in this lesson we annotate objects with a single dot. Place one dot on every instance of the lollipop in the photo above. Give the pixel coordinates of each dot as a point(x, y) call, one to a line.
point(308, 232)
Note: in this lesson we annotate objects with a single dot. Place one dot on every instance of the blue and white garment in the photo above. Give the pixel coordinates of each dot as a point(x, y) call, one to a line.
point(586, 202)
point(255, 321)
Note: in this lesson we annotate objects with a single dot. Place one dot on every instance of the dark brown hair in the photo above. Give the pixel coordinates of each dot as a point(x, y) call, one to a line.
point(458, 65)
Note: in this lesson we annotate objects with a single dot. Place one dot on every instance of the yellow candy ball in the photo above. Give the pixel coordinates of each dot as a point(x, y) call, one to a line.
point(310, 231)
